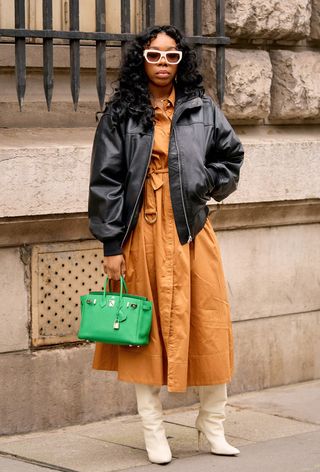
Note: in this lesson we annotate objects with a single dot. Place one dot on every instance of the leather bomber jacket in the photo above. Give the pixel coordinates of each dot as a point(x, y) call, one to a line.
point(204, 162)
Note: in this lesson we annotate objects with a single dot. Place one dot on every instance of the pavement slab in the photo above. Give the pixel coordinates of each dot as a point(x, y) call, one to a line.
point(8, 464)
point(182, 439)
point(299, 401)
point(299, 453)
point(76, 453)
point(277, 430)
point(243, 426)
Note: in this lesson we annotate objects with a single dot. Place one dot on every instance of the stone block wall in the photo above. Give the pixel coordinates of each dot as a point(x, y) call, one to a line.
point(273, 62)
point(315, 20)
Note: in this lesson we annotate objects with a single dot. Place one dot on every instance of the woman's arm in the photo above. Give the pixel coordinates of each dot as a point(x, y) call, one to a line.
point(224, 157)
point(106, 191)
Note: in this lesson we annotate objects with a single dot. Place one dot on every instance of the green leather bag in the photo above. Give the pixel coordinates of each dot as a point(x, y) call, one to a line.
point(115, 318)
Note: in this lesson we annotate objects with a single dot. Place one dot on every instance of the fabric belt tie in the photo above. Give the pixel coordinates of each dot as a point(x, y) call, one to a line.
point(154, 182)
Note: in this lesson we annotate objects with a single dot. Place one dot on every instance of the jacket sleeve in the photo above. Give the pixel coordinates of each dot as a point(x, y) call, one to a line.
point(224, 157)
point(106, 190)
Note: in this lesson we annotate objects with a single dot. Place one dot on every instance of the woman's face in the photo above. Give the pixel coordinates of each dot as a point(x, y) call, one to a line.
point(161, 74)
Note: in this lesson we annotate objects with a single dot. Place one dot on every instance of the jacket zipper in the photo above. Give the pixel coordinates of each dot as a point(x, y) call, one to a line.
point(140, 190)
point(181, 190)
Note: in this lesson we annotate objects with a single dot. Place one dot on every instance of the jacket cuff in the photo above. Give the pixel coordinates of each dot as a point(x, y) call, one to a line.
point(214, 176)
point(111, 247)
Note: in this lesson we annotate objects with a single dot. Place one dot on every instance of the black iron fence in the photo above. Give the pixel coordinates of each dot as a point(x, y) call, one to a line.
point(101, 38)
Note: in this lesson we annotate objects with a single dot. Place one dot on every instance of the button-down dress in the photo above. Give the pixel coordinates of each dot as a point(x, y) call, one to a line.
point(191, 335)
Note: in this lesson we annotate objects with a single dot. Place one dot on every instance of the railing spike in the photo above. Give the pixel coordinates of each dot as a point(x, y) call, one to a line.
point(101, 80)
point(47, 53)
point(177, 13)
point(220, 52)
point(20, 52)
point(74, 53)
point(150, 12)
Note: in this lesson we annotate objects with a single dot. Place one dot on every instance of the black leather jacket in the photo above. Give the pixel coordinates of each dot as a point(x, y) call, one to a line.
point(204, 161)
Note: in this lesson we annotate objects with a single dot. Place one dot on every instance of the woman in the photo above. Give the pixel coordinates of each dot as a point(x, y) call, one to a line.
point(162, 149)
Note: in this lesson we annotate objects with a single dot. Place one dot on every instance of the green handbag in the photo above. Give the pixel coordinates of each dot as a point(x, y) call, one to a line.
point(115, 318)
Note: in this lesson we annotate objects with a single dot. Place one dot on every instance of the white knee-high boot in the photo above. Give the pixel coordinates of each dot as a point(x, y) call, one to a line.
point(213, 399)
point(150, 410)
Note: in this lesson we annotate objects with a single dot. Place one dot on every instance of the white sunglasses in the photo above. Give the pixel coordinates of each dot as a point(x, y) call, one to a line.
point(154, 56)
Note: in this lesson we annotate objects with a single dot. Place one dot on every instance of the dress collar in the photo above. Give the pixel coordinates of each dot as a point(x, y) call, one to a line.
point(171, 99)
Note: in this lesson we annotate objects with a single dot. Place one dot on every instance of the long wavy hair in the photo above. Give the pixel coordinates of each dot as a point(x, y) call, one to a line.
point(131, 96)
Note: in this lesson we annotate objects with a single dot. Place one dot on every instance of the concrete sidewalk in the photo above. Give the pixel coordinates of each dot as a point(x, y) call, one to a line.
point(277, 430)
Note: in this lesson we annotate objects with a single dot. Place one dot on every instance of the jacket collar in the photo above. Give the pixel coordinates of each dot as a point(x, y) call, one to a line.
point(184, 102)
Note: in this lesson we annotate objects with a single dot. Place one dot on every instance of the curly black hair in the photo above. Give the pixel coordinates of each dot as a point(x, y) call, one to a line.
point(131, 97)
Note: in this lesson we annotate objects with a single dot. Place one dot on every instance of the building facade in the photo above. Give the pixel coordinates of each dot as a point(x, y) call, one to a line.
point(269, 230)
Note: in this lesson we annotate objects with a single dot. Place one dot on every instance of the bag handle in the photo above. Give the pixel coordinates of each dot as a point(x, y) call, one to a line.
point(122, 285)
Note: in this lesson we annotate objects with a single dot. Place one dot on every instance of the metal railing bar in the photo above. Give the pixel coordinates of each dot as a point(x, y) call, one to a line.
point(177, 14)
point(220, 51)
point(125, 21)
point(74, 53)
point(150, 12)
point(20, 52)
point(86, 35)
point(197, 18)
point(47, 53)
point(125, 16)
point(197, 27)
point(101, 77)
point(101, 36)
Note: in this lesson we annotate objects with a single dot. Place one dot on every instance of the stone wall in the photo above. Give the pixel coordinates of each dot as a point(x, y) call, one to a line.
point(273, 62)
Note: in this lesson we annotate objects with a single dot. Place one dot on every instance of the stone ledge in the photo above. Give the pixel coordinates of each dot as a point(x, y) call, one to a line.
point(36, 115)
point(20, 231)
point(266, 174)
point(61, 56)
point(30, 159)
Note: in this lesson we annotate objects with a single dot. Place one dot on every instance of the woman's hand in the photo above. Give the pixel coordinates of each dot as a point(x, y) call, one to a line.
point(114, 266)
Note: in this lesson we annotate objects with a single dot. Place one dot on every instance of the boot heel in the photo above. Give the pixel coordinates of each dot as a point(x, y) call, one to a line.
point(199, 440)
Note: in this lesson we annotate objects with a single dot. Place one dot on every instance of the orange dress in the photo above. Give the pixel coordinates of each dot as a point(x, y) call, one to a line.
point(191, 334)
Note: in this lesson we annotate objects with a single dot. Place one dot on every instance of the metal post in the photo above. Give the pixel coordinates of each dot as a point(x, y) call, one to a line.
point(101, 53)
point(47, 52)
point(20, 52)
point(125, 16)
point(178, 14)
point(150, 12)
point(125, 21)
point(197, 27)
point(197, 18)
point(220, 51)
point(74, 53)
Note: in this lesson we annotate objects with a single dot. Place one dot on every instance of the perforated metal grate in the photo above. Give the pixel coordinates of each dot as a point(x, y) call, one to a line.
point(60, 274)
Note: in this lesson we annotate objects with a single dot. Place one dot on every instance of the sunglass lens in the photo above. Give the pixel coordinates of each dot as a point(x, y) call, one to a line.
point(173, 57)
point(153, 56)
